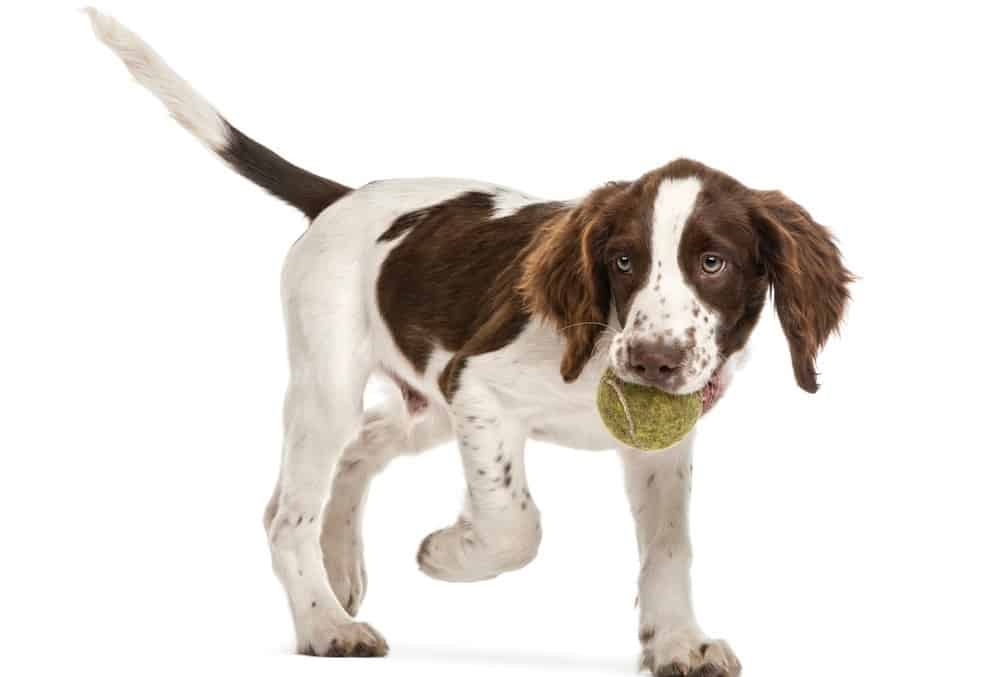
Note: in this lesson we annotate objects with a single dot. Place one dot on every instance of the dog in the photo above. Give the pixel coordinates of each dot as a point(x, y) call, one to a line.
point(496, 314)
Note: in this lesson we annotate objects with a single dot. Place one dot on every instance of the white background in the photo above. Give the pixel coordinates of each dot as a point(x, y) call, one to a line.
point(142, 365)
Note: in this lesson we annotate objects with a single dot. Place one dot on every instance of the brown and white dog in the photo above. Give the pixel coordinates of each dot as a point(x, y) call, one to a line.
point(496, 314)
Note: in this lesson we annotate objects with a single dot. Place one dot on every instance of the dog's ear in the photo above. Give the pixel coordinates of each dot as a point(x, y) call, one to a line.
point(564, 279)
point(807, 277)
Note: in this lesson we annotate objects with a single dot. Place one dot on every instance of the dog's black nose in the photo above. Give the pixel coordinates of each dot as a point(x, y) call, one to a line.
point(655, 362)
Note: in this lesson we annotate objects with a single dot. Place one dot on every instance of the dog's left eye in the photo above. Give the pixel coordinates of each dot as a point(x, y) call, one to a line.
point(712, 264)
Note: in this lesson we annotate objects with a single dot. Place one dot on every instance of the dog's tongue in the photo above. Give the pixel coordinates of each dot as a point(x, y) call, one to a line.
point(711, 393)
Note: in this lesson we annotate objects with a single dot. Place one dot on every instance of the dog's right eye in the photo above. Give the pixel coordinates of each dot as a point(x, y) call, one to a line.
point(624, 264)
point(712, 264)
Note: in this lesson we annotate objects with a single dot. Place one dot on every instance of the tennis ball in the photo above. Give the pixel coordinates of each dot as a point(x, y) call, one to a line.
point(644, 417)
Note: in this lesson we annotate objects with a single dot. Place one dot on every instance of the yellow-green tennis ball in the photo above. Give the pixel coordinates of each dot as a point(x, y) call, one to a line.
point(644, 417)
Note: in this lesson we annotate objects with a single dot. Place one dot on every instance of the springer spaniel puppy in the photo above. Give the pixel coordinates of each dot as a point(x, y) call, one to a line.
point(496, 313)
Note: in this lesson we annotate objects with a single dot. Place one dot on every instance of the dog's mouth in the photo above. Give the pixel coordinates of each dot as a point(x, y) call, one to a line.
point(712, 392)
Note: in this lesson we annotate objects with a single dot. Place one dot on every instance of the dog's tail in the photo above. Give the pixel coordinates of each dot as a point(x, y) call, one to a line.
point(304, 190)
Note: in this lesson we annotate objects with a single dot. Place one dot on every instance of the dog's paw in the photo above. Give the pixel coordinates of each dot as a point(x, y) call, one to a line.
point(686, 653)
point(461, 553)
point(358, 640)
point(345, 569)
point(455, 553)
point(349, 581)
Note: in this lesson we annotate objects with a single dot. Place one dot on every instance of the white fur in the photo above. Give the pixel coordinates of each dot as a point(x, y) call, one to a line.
point(186, 106)
point(337, 340)
point(508, 201)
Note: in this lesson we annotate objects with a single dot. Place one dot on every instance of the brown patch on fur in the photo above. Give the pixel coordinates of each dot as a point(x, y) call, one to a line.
point(451, 280)
point(807, 275)
point(303, 190)
point(565, 277)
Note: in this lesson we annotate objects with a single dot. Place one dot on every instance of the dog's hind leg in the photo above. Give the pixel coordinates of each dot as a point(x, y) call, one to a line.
point(330, 362)
point(389, 431)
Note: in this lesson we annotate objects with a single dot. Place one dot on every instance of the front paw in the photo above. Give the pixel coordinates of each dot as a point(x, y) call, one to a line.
point(463, 553)
point(456, 553)
point(686, 652)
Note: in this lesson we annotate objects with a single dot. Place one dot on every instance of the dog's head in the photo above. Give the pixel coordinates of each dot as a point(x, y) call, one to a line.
point(683, 259)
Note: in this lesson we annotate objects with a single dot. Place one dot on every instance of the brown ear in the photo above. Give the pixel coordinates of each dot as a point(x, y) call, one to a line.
point(564, 279)
point(807, 277)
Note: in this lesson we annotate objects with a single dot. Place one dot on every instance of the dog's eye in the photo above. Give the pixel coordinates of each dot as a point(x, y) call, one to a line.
point(712, 264)
point(624, 264)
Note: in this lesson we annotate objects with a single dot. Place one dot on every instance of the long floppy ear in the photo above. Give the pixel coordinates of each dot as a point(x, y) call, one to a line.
point(807, 277)
point(564, 279)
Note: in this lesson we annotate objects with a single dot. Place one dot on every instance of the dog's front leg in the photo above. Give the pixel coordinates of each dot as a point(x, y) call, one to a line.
point(499, 528)
point(659, 486)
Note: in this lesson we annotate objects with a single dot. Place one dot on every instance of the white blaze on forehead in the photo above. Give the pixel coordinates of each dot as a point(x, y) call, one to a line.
point(664, 303)
point(675, 201)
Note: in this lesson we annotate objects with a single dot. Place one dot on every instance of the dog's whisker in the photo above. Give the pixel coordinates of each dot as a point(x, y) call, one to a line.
point(602, 343)
point(578, 324)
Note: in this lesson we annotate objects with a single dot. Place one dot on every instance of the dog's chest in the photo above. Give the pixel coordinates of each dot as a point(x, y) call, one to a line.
point(577, 432)
point(526, 376)
point(569, 419)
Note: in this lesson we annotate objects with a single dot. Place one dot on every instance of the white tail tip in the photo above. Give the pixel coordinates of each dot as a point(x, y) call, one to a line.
point(184, 103)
